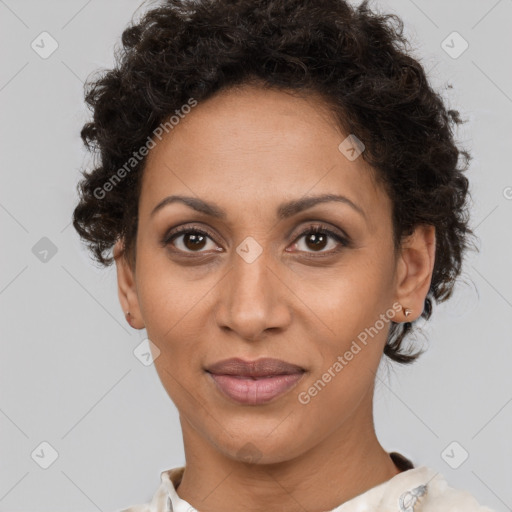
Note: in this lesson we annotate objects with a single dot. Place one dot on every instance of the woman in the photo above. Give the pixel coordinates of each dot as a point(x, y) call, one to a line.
point(280, 190)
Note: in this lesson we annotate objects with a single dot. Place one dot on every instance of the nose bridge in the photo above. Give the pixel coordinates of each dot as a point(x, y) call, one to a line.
point(250, 281)
point(250, 297)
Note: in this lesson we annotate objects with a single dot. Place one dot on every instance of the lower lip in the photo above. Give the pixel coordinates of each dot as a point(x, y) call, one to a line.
point(245, 390)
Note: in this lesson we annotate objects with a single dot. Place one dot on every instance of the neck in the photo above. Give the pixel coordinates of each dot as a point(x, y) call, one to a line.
point(345, 464)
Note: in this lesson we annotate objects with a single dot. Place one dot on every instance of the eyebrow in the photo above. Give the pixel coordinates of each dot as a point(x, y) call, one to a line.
point(284, 211)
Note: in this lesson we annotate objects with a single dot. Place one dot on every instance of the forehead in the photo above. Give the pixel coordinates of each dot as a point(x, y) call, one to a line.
point(249, 147)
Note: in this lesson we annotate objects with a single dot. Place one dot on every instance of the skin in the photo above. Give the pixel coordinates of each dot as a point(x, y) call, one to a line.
point(248, 150)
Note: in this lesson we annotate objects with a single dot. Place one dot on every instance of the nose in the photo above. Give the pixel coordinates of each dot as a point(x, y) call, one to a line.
point(254, 298)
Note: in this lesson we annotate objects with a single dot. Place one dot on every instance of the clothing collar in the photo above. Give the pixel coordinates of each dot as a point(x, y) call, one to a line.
point(401, 493)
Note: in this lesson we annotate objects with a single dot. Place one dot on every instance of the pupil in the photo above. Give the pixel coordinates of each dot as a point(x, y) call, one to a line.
point(320, 240)
point(194, 239)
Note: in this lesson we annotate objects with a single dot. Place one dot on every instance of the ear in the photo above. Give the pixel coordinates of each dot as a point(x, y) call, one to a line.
point(414, 269)
point(126, 288)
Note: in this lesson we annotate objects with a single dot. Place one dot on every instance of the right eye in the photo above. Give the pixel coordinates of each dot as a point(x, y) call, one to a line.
point(187, 239)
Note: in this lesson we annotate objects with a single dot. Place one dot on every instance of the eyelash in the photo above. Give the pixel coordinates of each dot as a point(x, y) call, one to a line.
point(315, 229)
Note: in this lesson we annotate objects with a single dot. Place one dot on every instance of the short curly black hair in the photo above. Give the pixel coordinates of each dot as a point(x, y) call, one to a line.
point(357, 59)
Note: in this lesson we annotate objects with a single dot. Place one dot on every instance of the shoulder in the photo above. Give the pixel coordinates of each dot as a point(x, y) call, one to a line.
point(423, 489)
point(145, 507)
point(136, 508)
point(443, 498)
point(168, 480)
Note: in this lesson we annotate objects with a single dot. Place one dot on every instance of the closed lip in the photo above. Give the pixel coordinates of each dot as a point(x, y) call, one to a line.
point(265, 367)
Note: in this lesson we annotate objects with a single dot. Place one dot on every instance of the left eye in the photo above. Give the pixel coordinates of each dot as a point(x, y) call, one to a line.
point(317, 237)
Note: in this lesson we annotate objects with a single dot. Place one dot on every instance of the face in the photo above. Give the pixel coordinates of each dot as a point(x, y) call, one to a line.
point(247, 276)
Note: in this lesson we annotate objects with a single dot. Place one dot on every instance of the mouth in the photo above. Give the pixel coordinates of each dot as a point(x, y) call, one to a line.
point(254, 382)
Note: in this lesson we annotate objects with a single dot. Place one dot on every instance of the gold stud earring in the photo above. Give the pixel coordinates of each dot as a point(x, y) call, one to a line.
point(407, 312)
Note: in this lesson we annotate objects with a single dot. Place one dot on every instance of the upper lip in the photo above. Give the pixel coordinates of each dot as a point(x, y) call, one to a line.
point(260, 368)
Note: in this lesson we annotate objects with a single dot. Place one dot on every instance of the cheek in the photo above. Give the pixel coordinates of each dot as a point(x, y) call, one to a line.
point(164, 292)
point(172, 312)
point(175, 312)
point(351, 296)
point(352, 314)
point(349, 340)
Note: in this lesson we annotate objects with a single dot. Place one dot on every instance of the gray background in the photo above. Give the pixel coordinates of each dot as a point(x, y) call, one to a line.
point(68, 374)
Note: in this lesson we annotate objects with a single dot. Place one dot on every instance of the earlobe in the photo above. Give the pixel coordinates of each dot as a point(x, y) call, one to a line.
point(415, 267)
point(126, 288)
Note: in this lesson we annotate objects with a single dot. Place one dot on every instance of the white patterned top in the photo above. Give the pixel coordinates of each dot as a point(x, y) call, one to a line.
point(415, 489)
